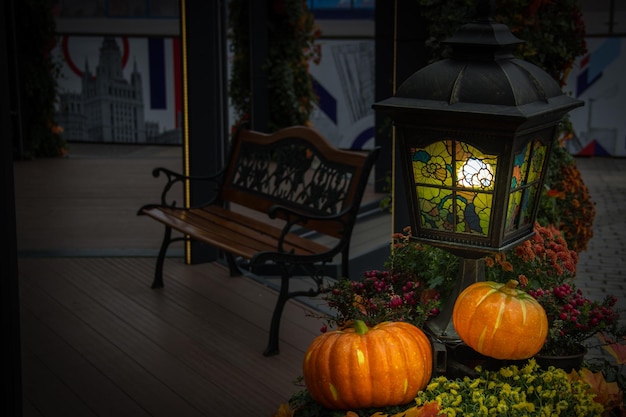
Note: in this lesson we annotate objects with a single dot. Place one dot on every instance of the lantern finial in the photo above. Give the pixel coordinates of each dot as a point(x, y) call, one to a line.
point(485, 8)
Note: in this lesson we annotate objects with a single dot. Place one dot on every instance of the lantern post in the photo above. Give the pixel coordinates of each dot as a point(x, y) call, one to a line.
point(474, 134)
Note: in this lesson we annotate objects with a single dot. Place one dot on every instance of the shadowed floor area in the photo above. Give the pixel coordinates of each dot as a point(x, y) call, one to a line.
point(97, 341)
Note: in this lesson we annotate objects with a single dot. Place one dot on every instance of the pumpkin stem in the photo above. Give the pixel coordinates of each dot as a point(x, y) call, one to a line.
point(512, 284)
point(510, 287)
point(360, 327)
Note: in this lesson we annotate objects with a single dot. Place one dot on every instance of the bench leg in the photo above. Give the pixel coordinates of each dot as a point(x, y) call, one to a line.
point(232, 265)
point(283, 296)
point(158, 270)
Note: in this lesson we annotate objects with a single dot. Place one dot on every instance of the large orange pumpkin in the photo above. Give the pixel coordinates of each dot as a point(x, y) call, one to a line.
point(499, 320)
point(362, 367)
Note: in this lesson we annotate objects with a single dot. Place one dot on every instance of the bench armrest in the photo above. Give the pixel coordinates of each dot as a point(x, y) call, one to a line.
point(174, 178)
point(295, 218)
point(298, 217)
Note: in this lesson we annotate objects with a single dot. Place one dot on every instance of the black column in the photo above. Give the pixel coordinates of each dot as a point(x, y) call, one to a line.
point(397, 22)
point(9, 288)
point(259, 112)
point(205, 103)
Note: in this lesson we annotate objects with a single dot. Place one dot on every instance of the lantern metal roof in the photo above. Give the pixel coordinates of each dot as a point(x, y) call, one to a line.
point(481, 77)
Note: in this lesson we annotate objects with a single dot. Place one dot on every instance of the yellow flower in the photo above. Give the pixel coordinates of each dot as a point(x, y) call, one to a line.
point(546, 410)
point(525, 406)
point(530, 367)
point(547, 377)
point(477, 397)
point(432, 386)
point(529, 379)
point(454, 386)
point(449, 412)
point(561, 406)
point(492, 401)
point(473, 384)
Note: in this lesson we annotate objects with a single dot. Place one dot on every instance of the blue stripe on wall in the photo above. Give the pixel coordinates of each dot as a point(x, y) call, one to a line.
point(327, 103)
point(604, 56)
point(362, 138)
point(156, 54)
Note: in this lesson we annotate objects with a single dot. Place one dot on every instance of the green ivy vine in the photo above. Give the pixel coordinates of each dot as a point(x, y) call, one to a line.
point(38, 73)
point(292, 33)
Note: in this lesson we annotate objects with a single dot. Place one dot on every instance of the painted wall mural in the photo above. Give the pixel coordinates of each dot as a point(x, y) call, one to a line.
point(119, 89)
point(345, 84)
point(598, 80)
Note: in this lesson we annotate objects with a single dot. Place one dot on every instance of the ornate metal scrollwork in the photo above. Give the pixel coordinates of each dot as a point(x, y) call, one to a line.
point(295, 173)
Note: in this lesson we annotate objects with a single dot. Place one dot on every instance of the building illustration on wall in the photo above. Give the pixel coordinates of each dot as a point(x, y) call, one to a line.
point(110, 106)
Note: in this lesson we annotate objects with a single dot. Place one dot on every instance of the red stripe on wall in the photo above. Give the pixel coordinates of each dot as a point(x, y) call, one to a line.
point(584, 61)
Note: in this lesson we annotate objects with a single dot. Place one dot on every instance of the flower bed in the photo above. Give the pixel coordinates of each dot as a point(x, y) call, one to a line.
point(417, 283)
point(524, 390)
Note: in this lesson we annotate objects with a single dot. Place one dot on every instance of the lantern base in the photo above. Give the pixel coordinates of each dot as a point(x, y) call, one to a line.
point(441, 327)
point(451, 355)
point(459, 360)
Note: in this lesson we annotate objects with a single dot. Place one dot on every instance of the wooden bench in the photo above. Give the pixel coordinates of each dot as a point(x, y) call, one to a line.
point(275, 195)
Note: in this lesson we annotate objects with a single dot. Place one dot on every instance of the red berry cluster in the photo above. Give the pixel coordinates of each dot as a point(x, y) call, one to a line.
point(382, 296)
point(574, 318)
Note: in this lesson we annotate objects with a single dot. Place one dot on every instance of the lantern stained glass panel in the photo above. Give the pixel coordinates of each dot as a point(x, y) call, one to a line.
point(454, 184)
point(527, 170)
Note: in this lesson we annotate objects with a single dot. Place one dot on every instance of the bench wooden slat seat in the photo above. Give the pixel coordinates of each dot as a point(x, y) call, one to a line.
point(289, 186)
point(233, 232)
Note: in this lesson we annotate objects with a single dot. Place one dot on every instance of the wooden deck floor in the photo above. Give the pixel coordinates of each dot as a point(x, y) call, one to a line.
point(97, 341)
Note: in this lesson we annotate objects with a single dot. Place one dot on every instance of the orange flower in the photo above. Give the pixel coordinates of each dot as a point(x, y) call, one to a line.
point(523, 280)
point(359, 303)
point(525, 252)
point(539, 250)
point(430, 409)
point(558, 269)
point(555, 193)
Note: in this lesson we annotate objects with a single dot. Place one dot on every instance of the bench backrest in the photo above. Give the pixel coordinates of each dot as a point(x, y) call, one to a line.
point(298, 168)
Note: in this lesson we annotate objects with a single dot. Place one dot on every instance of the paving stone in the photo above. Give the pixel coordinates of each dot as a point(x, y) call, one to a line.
point(601, 267)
